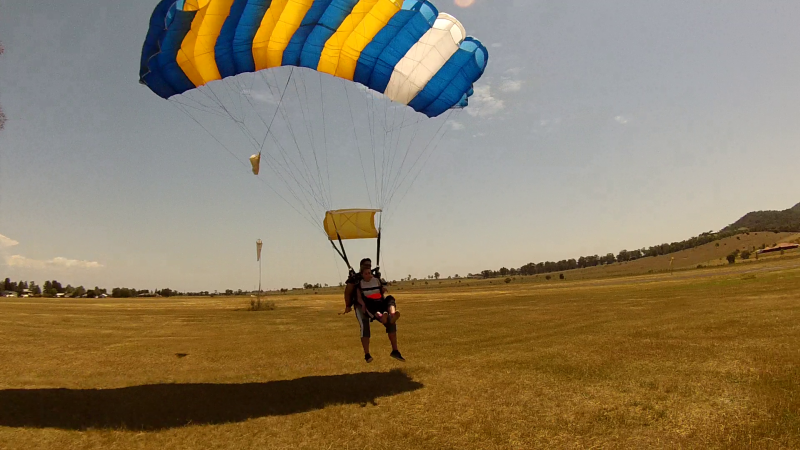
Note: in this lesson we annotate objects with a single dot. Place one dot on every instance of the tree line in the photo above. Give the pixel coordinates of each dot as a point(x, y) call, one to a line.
point(610, 258)
point(52, 288)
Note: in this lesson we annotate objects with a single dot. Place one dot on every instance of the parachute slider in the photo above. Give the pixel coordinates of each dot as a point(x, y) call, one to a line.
point(255, 161)
point(351, 224)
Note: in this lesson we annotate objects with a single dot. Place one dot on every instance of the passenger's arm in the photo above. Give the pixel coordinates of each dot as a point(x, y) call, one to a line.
point(348, 296)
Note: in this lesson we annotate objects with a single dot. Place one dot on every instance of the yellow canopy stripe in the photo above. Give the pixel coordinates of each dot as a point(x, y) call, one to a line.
point(185, 57)
point(329, 59)
point(377, 19)
point(290, 21)
point(264, 33)
point(204, 61)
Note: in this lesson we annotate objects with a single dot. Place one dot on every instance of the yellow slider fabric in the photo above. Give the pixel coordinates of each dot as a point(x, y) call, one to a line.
point(351, 224)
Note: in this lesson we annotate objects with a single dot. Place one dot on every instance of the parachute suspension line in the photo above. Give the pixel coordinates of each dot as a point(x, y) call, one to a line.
point(313, 182)
point(246, 131)
point(394, 141)
point(282, 151)
point(273, 163)
point(325, 140)
point(433, 150)
point(358, 145)
point(316, 189)
point(206, 130)
point(259, 146)
point(306, 121)
point(390, 164)
point(324, 126)
point(411, 169)
point(399, 171)
point(280, 102)
point(199, 108)
point(312, 222)
point(371, 120)
point(311, 131)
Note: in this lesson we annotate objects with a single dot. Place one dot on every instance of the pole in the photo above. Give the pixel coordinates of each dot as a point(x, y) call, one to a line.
point(258, 254)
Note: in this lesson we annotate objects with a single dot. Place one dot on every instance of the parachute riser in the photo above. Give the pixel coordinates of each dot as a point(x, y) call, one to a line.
point(342, 253)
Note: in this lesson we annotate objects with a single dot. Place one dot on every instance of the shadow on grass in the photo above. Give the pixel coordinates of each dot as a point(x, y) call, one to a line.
point(162, 406)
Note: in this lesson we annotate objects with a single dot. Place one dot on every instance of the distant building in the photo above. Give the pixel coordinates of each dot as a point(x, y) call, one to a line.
point(779, 247)
point(9, 294)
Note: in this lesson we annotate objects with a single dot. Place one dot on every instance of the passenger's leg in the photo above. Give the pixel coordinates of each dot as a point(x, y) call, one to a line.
point(363, 323)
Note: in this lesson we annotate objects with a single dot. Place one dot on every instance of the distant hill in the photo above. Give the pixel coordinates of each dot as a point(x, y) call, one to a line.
point(787, 221)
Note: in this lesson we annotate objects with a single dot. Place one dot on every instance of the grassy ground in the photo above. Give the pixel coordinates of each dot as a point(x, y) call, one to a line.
point(698, 359)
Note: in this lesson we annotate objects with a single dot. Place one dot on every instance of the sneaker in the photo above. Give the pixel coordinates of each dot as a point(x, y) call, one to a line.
point(396, 355)
point(394, 317)
point(368, 358)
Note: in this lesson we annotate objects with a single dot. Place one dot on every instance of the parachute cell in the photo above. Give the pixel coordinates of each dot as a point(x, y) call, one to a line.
point(393, 47)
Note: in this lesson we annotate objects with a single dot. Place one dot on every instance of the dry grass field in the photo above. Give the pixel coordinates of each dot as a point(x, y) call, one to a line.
point(698, 359)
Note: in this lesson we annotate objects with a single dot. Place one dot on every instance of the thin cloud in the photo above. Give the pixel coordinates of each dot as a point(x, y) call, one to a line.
point(511, 86)
point(621, 120)
point(6, 242)
point(456, 126)
point(483, 103)
point(57, 263)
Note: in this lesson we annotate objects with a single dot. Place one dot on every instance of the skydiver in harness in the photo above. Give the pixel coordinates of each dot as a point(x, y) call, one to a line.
point(366, 292)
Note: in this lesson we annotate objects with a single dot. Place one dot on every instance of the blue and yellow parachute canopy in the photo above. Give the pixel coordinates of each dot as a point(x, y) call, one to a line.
point(406, 50)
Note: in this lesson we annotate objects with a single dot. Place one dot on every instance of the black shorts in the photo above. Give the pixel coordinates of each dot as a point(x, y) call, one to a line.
point(364, 320)
point(380, 306)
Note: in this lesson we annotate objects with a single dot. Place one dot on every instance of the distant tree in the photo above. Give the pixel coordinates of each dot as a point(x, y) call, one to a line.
point(547, 277)
point(745, 254)
point(561, 276)
point(436, 275)
point(79, 291)
point(508, 280)
point(731, 258)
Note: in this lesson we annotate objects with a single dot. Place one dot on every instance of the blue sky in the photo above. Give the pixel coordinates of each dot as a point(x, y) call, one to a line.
point(596, 127)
